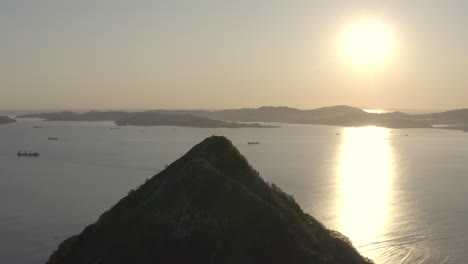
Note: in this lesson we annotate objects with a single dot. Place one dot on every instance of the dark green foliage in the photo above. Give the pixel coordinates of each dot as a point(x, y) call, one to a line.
point(209, 206)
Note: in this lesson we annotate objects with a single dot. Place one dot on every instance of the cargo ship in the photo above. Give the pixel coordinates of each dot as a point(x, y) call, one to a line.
point(27, 154)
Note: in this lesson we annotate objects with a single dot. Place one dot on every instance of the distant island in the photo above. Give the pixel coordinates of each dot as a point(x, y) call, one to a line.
point(122, 118)
point(340, 115)
point(72, 116)
point(6, 120)
point(209, 206)
point(155, 119)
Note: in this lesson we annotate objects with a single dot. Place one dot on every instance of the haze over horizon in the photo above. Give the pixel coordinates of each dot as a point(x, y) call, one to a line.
point(234, 131)
point(222, 54)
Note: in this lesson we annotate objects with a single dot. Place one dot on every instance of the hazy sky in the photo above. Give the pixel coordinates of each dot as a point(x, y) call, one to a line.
point(227, 54)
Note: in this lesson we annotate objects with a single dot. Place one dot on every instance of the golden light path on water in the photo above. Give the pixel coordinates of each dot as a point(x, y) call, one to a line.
point(365, 176)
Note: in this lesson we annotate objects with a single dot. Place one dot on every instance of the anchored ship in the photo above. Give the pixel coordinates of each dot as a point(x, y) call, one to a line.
point(27, 154)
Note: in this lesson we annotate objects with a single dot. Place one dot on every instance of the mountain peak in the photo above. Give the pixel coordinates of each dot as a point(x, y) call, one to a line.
point(209, 206)
point(215, 149)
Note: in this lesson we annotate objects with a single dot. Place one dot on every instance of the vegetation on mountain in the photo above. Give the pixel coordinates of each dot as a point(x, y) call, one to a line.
point(210, 206)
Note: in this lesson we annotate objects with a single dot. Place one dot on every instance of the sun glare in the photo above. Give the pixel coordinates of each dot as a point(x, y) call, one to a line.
point(365, 176)
point(366, 43)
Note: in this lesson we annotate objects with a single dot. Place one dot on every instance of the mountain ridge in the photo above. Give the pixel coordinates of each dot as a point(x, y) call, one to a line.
point(339, 115)
point(209, 206)
point(186, 120)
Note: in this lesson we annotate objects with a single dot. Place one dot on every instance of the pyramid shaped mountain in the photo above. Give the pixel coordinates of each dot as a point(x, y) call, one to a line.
point(210, 206)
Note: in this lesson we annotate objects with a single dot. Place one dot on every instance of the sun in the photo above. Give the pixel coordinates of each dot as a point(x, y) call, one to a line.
point(366, 43)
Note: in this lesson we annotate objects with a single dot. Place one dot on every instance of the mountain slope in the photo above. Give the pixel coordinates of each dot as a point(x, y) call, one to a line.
point(210, 206)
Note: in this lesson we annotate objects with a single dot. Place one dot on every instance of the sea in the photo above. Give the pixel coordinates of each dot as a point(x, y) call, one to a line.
point(400, 195)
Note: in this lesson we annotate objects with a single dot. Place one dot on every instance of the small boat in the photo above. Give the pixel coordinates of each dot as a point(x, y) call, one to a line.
point(27, 154)
point(37, 127)
point(337, 134)
point(254, 143)
point(52, 138)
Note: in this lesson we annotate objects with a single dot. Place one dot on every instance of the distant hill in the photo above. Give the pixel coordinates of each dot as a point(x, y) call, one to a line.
point(187, 120)
point(339, 115)
point(452, 117)
point(6, 120)
point(334, 115)
point(72, 116)
point(52, 115)
point(272, 114)
point(210, 206)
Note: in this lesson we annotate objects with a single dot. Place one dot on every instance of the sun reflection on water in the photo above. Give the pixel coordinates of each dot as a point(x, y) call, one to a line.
point(364, 179)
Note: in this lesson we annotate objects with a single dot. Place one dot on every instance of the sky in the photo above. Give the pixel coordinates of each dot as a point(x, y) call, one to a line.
point(215, 54)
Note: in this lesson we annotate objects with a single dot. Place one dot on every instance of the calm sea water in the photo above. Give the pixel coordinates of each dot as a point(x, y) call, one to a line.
point(400, 195)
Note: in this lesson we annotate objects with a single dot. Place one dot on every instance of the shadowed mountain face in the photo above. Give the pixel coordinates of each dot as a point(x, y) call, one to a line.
point(210, 206)
point(6, 120)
